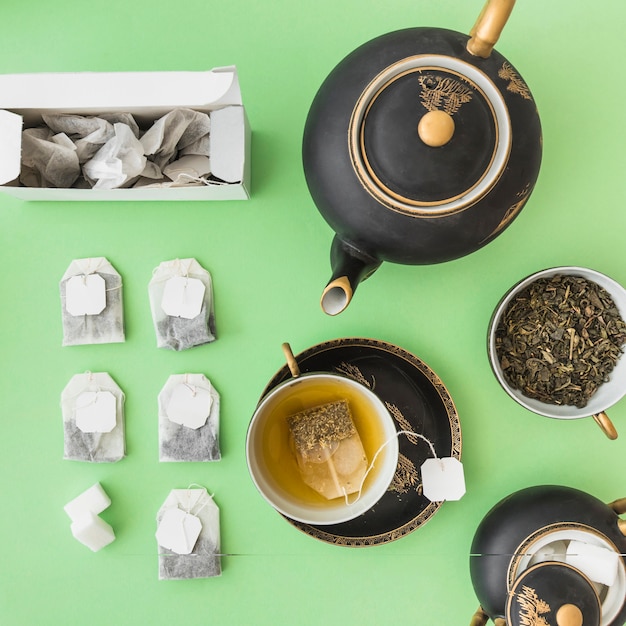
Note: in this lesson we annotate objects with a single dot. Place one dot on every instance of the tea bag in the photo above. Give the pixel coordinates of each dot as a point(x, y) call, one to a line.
point(87, 133)
point(175, 131)
point(188, 535)
point(189, 413)
point(93, 419)
point(48, 159)
point(181, 301)
point(91, 298)
point(328, 449)
point(118, 162)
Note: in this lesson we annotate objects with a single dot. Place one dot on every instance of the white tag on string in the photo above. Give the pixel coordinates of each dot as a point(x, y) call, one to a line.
point(85, 295)
point(183, 297)
point(95, 412)
point(189, 406)
point(178, 531)
point(443, 479)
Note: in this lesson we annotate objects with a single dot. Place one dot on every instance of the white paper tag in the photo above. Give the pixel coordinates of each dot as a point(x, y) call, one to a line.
point(189, 406)
point(443, 479)
point(95, 412)
point(183, 297)
point(85, 295)
point(178, 531)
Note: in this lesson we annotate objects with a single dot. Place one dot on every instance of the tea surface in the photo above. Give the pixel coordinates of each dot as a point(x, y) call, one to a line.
point(276, 446)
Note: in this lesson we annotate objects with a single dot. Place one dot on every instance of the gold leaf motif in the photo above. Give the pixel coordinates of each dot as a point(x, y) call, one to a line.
point(443, 94)
point(353, 372)
point(516, 83)
point(402, 421)
point(406, 477)
point(532, 608)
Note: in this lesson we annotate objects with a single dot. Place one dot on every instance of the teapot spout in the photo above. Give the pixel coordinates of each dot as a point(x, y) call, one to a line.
point(350, 266)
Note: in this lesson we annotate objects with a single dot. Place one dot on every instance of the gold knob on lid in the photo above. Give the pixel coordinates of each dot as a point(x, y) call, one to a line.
point(569, 615)
point(436, 128)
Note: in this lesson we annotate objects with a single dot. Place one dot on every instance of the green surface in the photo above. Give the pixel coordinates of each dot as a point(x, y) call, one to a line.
point(269, 260)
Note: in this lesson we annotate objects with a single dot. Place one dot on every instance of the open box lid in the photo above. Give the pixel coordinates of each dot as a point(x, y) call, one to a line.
point(24, 97)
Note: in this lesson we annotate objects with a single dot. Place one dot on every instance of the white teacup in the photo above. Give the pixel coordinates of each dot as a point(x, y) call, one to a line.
point(607, 394)
point(275, 474)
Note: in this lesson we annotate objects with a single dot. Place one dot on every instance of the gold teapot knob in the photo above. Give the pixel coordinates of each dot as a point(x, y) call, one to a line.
point(436, 128)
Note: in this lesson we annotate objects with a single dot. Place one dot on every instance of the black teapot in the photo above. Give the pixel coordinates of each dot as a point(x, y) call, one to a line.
point(551, 555)
point(421, 146)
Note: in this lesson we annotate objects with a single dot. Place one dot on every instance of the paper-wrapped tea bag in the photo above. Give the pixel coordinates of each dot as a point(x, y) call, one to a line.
point(91, 299)
point(188, 535)
point(93, 419)
point(328, 449)
point(181, 301)
point(189, 414)
point(87, 133)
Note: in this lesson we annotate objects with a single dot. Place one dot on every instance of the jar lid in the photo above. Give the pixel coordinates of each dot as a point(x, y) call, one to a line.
point(553, 594)
point(430, 135)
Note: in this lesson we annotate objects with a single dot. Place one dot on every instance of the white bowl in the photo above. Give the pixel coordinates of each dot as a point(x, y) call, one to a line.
point(607, 394)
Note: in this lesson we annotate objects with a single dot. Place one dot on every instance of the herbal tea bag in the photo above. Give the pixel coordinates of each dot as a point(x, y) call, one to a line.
point(189, 414)
point(48, 159)
point(181, 301)
point(188, 535)
point(328, 449)
point(118, 162)
point(91, 297)
point(93, 419)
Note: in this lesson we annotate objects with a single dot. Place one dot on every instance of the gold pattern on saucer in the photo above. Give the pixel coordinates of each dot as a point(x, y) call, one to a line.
point(353, 372)
point(531, 608)
point(516, 82)
point(440, 93)
point(406, 477)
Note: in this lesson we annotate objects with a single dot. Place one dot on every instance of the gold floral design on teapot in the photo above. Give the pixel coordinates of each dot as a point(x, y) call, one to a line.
point(445, 94)
point(516, 83)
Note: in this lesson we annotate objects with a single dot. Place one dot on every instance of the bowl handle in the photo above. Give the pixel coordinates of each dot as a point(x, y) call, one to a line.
point(603, 421)
point(486, 32)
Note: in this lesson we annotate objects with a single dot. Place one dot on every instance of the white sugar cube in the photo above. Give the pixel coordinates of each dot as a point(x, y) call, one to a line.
point(93, 500)
point(597, 563)
point(92, 531)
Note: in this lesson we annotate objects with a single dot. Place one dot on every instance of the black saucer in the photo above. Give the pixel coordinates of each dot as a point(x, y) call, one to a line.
point(418, 401)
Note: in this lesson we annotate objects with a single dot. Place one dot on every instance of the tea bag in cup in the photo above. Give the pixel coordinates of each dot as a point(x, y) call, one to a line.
point(181, 301)
point(91, 299)
point(93, 419)
point(189, 414)
point(188, 535)
point(328, 449)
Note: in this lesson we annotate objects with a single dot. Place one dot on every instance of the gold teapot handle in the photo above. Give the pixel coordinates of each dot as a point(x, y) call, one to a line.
point(603, 421)
point(480, 618)
point(486, 32)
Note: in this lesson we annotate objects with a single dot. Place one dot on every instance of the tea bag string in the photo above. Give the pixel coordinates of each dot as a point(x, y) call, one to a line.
point(207, 499)
point(378, 452)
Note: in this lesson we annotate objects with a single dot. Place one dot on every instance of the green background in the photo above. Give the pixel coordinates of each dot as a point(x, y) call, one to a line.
point(269, 260)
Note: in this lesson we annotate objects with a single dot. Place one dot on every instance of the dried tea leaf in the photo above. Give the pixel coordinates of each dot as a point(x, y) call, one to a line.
point(559, 339)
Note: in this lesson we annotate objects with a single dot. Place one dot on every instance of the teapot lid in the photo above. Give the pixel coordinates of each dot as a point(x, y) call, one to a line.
point(553, 594)
point(430, 135)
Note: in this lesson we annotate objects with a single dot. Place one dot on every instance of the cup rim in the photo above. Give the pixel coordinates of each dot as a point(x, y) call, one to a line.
point(607, 394)
point(340, 512)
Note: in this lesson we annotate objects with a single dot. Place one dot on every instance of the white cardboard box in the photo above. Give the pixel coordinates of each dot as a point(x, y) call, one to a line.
point(147, 96)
